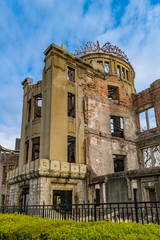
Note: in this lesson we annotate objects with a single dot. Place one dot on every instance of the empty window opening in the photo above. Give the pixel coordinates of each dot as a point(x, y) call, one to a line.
point(123, 72)
point(119, 70)
point(35, 148)
point(62, 197)
point(127, 75)
point(106, 65)
point(71, 149)
point(151, 156)
point(71, 105)
point(118, 163)
point(97, 196)
point(113, 93)
point(29, 110)
point(37, 106)
point(100, 62)
point(152, 195)
point(4, 174)
point(117, 126)
point(27, 151)
point(24, 198)
point(71, 74)
point(147, 119)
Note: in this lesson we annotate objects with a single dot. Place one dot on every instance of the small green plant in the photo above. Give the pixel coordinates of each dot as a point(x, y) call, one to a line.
point(16, 226)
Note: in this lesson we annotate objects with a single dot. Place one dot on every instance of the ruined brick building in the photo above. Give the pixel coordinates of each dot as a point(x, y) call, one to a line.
point(85, 132)
point(8, 161)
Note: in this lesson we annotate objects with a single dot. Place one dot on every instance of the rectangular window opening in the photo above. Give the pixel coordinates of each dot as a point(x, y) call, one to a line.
point(71, 149)
point(147, 119)
point(151, 156)
point(29, 110)
point(117, 129)
point(119, 70)
point(27, 151)
point(123, 72)
point(118, 163)
point(113, 92)
point(4, 174)
point(71, 105)
point(97, 196)
point(106, 65)
point(100, 62)
point(71, 74)
point(37, 106)
point(127, 75)
point(35, 148)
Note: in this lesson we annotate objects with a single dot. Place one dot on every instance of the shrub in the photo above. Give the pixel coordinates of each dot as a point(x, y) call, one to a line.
point(15, 226)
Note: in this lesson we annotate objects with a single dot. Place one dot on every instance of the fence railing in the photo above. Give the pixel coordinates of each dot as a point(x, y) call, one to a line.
point(140, 212)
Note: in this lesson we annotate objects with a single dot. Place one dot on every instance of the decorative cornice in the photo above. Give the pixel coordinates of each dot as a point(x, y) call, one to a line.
point(91, 47)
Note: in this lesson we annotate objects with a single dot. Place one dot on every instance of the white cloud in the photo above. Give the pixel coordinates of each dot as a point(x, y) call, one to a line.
point(139, 36)
point(28, 29)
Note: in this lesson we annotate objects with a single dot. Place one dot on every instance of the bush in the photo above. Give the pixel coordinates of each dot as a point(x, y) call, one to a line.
point(15, 226)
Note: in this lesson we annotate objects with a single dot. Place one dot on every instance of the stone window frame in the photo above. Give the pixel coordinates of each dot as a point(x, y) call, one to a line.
point(68, 152)
point(147, 119)
point(37, 106)
point(26, 151)
point(29, 110)
point(121, 130)
point(69, 111)
point(35, 141)
point(151, 152)
point(103, 62)
point(71, 77)
point(121, 67)
point(110, 86)
point(124, 161)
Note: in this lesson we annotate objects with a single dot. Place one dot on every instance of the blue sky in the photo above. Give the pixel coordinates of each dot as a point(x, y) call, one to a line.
point(28, 27)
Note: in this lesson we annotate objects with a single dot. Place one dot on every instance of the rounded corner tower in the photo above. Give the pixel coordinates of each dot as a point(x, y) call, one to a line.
point(112, 60)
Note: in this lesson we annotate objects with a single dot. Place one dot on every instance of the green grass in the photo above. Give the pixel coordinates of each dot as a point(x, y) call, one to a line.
point(15, 226)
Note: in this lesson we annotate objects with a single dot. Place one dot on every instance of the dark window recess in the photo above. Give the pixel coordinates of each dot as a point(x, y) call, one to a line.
point(100, 62)
point(123, 73)
point(27, 151)
point(119, 70)
point(127, 75)
point(71, 149)
point(152, 195)
point(71, 105)
point(71, 74)
point(24, 197)
point(117, 126)
point(37, 106)
point(106, 65)
point(35, 148)
point(135, 194)
point(62, 197)
point(29, 110)
point(97, 196)
point(4, 174)
point(113, 93)
point(3, 200)
point(118, 163)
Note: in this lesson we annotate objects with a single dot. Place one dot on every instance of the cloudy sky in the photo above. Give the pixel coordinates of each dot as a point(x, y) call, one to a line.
point(27, 27)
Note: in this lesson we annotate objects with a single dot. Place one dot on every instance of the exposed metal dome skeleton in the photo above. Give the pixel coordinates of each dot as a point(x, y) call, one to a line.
point(91, 47)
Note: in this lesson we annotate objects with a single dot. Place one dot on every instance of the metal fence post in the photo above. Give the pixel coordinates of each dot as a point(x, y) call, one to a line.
point(43, 209)
point(136, 211)
point(65, 211)
point(95, 210)
point(14, 208)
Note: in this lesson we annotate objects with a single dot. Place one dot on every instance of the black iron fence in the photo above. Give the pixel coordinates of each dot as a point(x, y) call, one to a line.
point(140, 212)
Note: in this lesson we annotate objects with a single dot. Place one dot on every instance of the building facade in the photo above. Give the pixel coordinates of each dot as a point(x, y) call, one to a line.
point(8, 162)
point(85, 132)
